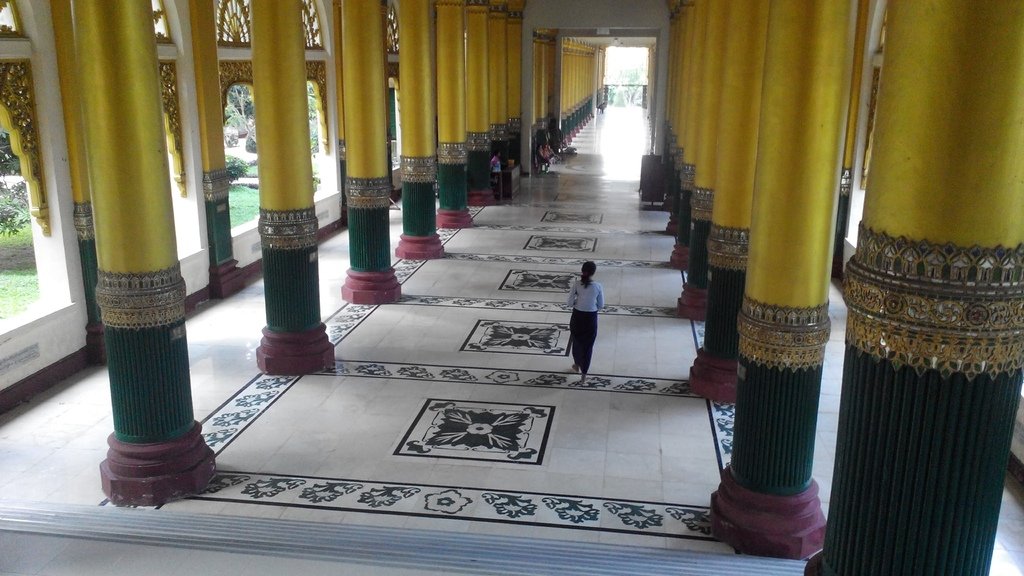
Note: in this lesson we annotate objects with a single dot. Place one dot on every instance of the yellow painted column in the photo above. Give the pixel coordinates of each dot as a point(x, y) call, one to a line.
point(497, 79)
point(850, 144)
point(680, 189)
point(539, 87)
point(71, 98)
point(157, 451)
point(451, 115)
point(935, 330)
point(478, 135)
point(514, 52)
point(419, 240)
point(692, 117)
point(693, 302)
point(294, 340)
point(768, 501)
point(371, 279)
point(225, 276)
point(550, 65)
point(339, 76)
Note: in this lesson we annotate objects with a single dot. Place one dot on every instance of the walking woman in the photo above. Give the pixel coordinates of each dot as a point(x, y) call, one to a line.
point(586, 297)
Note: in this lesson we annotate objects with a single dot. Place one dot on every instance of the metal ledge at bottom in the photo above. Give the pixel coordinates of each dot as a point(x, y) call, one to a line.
point(443, 552)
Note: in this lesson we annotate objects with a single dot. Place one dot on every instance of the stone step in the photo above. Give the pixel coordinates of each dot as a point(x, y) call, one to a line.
point(425, 550)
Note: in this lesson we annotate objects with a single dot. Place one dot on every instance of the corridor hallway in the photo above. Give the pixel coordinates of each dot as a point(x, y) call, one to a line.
point(475, 352)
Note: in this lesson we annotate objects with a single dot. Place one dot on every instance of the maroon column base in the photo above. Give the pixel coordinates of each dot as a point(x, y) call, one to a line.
point(226, 279)
point(157, 473)
point(95, 345)
point(419, 247)
point(813, 567)
point(371, 287)
point(767, 525)
point(693, 304)
point(672, 228)
point(713, 378)
point(454, 219)
point(294, 353)
point(483, 197)
point(680, 257)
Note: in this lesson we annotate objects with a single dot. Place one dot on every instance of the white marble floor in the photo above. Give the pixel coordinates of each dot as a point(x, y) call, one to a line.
point(454, 409)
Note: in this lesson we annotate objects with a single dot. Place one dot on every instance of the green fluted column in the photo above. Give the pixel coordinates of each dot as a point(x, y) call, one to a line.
point(370, 278)
point(157, 451)
point(94, 341)
point(935, 291)
point(767, 502)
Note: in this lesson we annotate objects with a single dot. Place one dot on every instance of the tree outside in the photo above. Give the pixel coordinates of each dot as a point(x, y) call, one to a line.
point(19, 283)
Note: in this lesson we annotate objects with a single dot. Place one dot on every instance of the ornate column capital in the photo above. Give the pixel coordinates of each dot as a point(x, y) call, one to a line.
point(937, 306)
point(288, 229)
point(419, 170)
point(728, 247)
point(216, 184)
point(451, 153)
point(368, 192)
point(701, 203)
point(783, 337)
point(137, 300)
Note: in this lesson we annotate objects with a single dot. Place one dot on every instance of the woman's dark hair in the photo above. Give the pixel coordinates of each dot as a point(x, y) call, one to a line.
point(588, 270)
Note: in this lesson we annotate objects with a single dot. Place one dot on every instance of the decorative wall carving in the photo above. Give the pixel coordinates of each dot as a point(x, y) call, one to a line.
point(172, 122)
point(18, 113)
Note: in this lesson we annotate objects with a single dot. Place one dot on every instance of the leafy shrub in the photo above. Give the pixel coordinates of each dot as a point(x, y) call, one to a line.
point(14, 214)
point(250, 142)
point(236, 167)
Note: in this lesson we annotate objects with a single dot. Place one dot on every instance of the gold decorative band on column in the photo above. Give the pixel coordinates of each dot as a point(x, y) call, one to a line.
point(137, 300)
point(83, 221)
point(941, 307)
point(783, 337)
point(701, 203)
point(368, 192)
point(677, 159)
point(688, 176)
point(499, 132)
point(478, 141)
point(443, 3)
point(499, 9)
point(515, 125)
point(728, 247)
point(419, 170)
point(518, 14)
point(288, 229)
point(341, 149)
point(477, 2)
point(845, 181)
point(451, 153)
point(216, 184)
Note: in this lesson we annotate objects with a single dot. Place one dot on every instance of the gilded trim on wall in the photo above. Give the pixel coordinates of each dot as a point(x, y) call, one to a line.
point(234, 24)
point(172, 122)
point(18, 114)
point(311, 26)
point(316, 72)
point(10, 21)
point(391, 40)
point(161, 27)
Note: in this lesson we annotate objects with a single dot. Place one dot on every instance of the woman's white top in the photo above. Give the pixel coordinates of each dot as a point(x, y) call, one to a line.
point(586, 298)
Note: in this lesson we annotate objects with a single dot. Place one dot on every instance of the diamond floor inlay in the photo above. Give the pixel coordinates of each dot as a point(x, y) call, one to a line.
point(479, 431)
point(553, 216)
point(537, 281)
point(518, 338)
point(558, 243)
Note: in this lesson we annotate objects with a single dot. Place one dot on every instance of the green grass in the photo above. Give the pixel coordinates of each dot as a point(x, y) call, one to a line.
point(19, 283)
point(245, 204)
point(252, 171)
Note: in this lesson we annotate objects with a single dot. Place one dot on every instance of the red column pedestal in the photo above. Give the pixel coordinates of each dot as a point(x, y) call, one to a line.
point(483, 197)
point(95, 345)
point(713, 378)
point(226, 279)
point(680, 257)
point(454, 218)
point(767, 525)
point(294, 353)
point(693, 303)
point(672, 228)
point(154, 474)
point(371, 287)
point(419, 247)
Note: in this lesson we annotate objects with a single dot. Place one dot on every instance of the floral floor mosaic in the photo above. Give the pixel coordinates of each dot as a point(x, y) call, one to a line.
point(558, 243)
point(505, 433)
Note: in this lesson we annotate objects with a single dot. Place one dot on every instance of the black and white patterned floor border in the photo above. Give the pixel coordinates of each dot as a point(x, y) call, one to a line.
point(530, 306)
point(575, 512)
point(568, 230)
point(555, 260)
point(506, 377)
